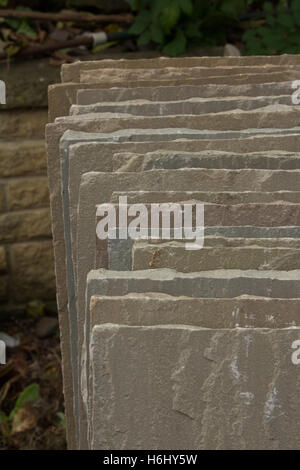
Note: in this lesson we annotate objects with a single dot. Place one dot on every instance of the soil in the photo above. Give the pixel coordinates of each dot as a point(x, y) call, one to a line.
point(34, 361)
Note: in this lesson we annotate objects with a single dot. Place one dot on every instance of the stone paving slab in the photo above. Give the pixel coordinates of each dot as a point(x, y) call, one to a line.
point(113, 75)
point(162, 309)
point(192, 106)
point(174, 255)
point(209, 159)
point(71, 72)
point(89, 95)
point(53, 136)
point(55, 199)
point(186, 405)
point(62, 96)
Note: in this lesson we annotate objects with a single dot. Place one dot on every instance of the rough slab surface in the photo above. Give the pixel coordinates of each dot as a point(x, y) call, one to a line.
point(209, 389)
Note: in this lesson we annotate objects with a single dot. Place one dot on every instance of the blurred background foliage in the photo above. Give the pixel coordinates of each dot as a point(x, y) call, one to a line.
point(175, 26)
point(257, 27)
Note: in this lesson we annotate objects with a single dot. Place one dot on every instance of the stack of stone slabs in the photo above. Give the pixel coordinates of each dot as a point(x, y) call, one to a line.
point(114, 137)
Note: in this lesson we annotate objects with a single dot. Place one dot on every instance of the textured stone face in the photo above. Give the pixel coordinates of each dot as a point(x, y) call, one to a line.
point(62, 96)
point(90, 96)
point(210, 159)
point(93, 151)
point(175, 256)
point(173, 73)
point(71, 72)
point(192, 106)
point(270, 117)
point(209, 388)
point(254, 194)
point(162, 309)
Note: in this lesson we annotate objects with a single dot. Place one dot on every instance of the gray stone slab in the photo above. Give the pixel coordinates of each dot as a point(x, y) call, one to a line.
point(71, 72)
point(212, 388)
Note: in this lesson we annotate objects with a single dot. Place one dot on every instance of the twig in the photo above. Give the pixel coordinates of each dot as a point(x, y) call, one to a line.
point(46, 49)
point(67, 16)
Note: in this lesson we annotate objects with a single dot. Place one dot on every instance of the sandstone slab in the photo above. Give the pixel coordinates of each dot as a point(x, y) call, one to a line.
point(194, 106)
point(188, 404)
point(167, 74)
point(90, 95)
point(174, 255)
point(71, 72)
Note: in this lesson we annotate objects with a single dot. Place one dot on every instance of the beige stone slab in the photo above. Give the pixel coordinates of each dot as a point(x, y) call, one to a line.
point(80, 164)
point(236, 220)
point(90, 96)
point(174, 255)
point(161, 309)
point(209, 388)
point(210, 159)
point(62, 96)
point(96, 189)
point(227, 197)
point(71, 72)
point(148, 309)
point(53, 135)
point(273, 116)
point(247, 214)
point(192, 106)
point(215, 241)
point(213, 284)
point(172, 73)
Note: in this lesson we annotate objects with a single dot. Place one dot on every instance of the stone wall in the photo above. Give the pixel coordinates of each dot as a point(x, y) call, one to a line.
point(26, 254)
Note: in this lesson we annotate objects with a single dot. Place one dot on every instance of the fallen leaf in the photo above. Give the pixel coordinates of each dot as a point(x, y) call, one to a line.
point(24, 419)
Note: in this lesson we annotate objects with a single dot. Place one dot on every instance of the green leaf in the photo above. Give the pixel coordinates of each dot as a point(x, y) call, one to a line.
point(61, 419)
point(231, 8)
point(136, 4)
point(268, 8)
point(141, 23)
point(12, 23)
point(26, 29)
point(144, 38)
point(286, 19)
point(177, 46)
point(3, 417)
point(157, 34)
point(295, 6)
point(29, 395)
point(35, 309)
point(169, 17)
point(186, 6)
point(157, 7)
point(3, 3)
point(193, 29)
